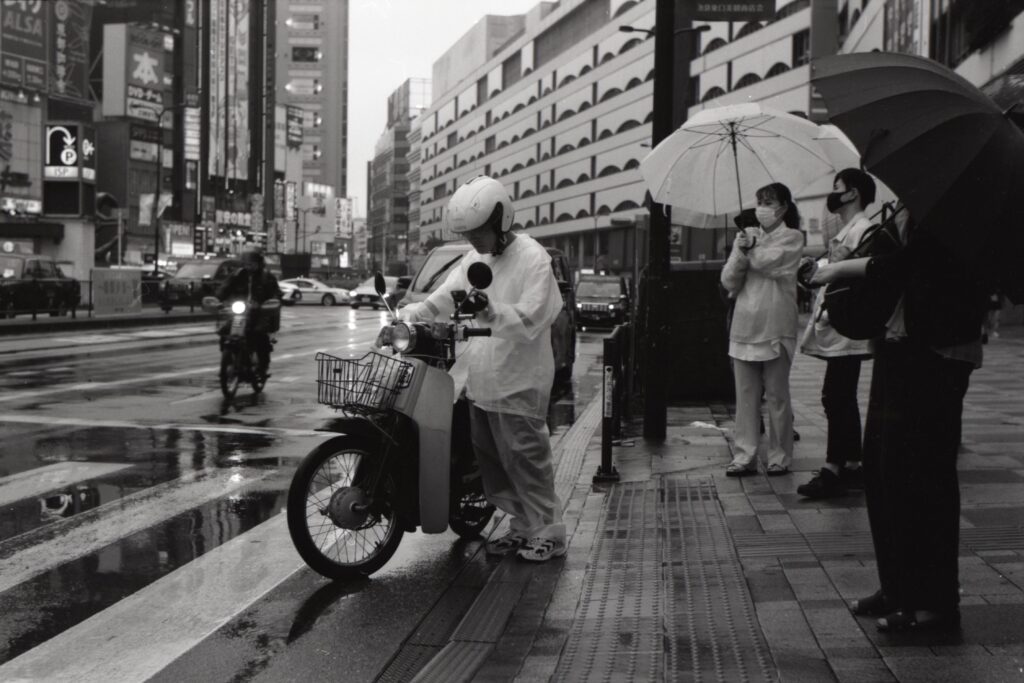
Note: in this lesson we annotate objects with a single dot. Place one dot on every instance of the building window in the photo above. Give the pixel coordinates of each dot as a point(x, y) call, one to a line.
point(714, 45)
point(746, 80)
point(748, 28)
point(712, 94)
point(777, 68)
point(304, 53)
point(801, 47)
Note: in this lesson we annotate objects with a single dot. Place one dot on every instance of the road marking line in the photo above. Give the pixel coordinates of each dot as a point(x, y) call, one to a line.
point(36, 482)
point(36, 552)
point(142, 634)
point(180, 426)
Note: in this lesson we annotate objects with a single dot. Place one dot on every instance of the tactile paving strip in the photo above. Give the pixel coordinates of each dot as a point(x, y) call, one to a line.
point(827, 543)
point(664, 598)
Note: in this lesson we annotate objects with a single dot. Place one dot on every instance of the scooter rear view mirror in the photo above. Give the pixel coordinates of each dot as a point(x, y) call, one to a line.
point(378, 283)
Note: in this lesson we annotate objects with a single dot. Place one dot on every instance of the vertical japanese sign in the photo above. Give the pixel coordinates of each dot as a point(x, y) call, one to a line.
point(294, 129)
point(69, 48)
point(280, 138)
point(343, 217)
point(23, 43)
point(217, 87)
point(229, 88)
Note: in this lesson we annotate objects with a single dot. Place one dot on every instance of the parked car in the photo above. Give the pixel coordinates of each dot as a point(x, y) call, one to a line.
point(197, 278)
point(30, 283)
point(442, 259)
point(366, 293)
point(602, 301)
point(313, 291)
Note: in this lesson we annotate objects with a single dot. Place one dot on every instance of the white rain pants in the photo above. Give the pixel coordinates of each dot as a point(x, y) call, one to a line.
point(515, 460)
point(772, 377)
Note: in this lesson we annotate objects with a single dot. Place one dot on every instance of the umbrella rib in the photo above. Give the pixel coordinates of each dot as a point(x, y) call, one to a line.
point(709, 138)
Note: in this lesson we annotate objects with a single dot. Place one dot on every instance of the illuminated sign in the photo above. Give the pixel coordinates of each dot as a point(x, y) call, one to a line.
point(23, 43)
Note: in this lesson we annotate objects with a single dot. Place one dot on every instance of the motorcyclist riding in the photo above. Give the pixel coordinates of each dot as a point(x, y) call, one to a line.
point(507, 377)
point(252, 282)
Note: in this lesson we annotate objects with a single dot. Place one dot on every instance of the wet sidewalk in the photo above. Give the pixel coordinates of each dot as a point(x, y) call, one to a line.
point(680, 573)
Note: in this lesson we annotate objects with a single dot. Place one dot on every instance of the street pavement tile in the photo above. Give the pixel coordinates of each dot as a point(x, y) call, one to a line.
point(768, 585)
point(866, 670)
point(974, 461)
point(990, 476)
point(786, 630)
point(840, 648)
point(955, 669)
point(1004, 598)
point(830, 519)
point(776, 522)
point(810, 583)
point(990, 494)
point(808, 561)
point(794, 501)
point(537, 668)
point(764, 503)
point(799, 668)
point(742, 523)
point(735, 504)
point(994, 516)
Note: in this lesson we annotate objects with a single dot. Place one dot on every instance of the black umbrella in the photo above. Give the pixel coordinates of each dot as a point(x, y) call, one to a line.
point(950, 154)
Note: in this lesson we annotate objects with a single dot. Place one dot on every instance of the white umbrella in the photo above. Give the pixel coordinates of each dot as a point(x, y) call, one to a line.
point(710, 161)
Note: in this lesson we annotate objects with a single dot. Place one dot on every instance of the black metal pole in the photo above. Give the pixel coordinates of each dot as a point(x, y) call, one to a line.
point(606, 471)
point(655, 388)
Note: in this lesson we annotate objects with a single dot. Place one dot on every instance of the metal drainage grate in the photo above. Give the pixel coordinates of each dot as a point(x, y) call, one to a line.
point(664, 597)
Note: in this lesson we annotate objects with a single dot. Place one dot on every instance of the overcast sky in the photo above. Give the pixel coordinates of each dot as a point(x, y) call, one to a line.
point(390, 41)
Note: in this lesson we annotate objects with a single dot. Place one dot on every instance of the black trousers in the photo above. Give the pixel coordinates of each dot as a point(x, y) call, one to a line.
point(911, 440)
point(839, 398)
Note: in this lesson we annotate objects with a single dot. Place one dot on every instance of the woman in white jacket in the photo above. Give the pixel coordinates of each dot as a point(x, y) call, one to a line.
point(761, 276)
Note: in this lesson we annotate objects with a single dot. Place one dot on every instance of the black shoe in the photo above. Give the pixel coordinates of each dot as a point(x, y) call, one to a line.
point(853, 478)
point(825, 484)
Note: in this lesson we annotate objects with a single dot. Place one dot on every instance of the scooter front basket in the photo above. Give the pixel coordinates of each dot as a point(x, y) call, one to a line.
point(361, 385)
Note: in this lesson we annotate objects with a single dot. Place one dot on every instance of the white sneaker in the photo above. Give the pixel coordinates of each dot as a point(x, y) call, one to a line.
point(508, 543)
point(541, 549)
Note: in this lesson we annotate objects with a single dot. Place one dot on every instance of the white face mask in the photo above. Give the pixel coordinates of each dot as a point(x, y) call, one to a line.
point(765, 216)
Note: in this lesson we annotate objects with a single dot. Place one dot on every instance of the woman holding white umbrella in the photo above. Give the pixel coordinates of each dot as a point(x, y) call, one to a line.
point(761, 275)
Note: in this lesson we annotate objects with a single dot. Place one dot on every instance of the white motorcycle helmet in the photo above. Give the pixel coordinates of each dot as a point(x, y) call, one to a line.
point(479, 201)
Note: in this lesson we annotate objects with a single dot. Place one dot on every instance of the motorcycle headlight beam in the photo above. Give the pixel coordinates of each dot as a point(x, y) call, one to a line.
point(238, 307)
point(403, 337)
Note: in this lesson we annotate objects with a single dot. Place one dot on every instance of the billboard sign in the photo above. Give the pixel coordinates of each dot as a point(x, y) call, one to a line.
point(116, 291)
point(69, 48)
point(134, 75)
point(294, 129)
point(23, 43)
point(727, 10)
point(343, 217)
point(70, 152)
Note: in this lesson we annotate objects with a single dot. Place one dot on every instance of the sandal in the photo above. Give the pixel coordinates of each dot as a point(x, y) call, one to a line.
point(905, 622)
point(872, 606)
point(737, 470)
point(776, 470)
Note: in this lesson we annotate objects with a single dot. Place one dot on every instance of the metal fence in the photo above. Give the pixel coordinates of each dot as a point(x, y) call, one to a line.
point(34, 301)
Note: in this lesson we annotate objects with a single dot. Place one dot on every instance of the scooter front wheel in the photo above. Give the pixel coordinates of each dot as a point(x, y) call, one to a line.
point(340, 529)
point(230, 373)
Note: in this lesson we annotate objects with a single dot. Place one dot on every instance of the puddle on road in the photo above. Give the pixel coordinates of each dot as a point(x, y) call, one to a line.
point(39, 609)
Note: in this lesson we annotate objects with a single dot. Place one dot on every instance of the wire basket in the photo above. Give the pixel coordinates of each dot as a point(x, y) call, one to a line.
point(361, 385)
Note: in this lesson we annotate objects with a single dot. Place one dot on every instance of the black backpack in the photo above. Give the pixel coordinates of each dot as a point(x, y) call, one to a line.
point(859, 308)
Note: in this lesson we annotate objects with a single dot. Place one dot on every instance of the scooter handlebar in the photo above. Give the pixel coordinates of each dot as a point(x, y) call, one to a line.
point(477, 332)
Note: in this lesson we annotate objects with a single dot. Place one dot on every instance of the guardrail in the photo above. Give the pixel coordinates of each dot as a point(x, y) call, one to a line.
point(616, 391)
point(41, 304)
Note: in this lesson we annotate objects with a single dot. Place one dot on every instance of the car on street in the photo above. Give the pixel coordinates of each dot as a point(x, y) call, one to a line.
point(443, 258)
point(31, 283)
point(366, 293)
point(197, 278)
point(601, 300)
point(290, 294)
point(313, 291)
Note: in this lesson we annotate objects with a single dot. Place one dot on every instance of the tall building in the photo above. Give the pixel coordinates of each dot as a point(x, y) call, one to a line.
point(312, 74)
point(388, 205)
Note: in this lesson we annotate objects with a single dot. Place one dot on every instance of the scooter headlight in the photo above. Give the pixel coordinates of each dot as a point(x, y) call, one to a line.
point(403, 337)
point(238, 307)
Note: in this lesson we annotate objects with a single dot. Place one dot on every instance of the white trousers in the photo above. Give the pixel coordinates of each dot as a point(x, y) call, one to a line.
point(514, 454)
point(772, 378)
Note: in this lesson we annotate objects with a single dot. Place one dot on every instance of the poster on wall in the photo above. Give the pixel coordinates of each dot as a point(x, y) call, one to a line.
point(23, 44)
point(69, 48)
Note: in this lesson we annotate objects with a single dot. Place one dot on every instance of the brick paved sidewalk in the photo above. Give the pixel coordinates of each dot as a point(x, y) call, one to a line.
point(679, 573)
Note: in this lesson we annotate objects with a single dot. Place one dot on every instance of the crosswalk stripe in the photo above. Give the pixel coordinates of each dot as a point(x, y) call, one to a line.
point(45, 548)
point(142, 634)
point(42, 479)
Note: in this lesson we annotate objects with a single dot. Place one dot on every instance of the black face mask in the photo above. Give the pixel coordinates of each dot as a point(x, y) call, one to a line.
point(834, 202)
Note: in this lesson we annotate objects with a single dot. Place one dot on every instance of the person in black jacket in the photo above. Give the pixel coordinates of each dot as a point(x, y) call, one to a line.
point(254, 284)
point(921, 373)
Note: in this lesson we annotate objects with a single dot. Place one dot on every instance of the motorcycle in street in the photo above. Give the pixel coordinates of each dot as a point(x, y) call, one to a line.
point(239, 357)
point(402, 459)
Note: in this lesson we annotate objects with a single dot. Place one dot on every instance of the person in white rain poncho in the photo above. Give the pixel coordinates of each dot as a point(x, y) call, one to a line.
point(508, 376)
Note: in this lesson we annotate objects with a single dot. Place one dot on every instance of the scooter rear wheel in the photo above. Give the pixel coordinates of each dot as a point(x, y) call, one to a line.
point(259, 373)
point(324, 488)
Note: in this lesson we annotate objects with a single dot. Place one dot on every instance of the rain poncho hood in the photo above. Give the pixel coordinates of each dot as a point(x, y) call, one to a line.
point(511, 371)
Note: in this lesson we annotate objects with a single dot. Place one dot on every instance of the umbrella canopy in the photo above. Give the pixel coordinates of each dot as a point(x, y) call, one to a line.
point(714, 162)
point(943, 146)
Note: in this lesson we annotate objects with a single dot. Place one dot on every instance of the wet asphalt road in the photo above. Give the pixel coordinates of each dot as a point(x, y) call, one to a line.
point(123, 469)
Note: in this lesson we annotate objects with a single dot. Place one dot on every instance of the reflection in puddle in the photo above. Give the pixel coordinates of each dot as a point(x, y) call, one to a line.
point(38, 609)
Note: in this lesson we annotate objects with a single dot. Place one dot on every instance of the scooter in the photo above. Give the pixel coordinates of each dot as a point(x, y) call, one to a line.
point(402, 459)
point(239, 359)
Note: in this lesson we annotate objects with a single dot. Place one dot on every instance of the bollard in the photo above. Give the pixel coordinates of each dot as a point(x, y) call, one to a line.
point(191, 297)
point(606, 471)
